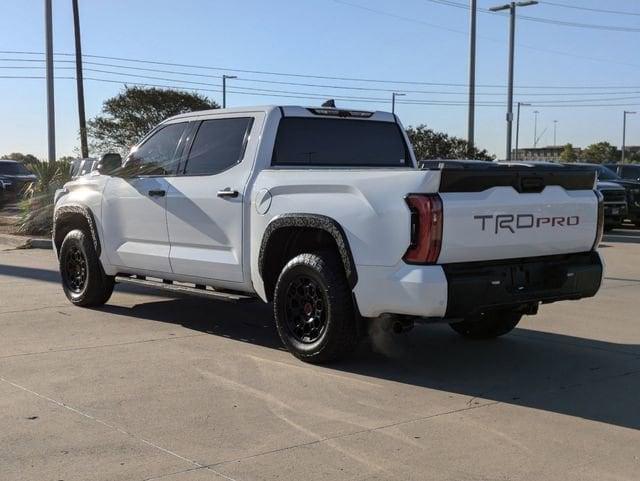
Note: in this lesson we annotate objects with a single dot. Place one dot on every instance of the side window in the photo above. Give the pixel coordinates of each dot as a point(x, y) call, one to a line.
point(157, 155)
point(218, 145)
point(630, 172)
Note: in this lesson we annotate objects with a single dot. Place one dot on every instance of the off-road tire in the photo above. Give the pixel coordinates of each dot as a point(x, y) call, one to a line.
point(83, 280)
point(339, 334)
point(488, 326)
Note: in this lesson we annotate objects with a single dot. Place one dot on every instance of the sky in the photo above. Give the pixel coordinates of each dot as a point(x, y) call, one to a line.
point(421, 41)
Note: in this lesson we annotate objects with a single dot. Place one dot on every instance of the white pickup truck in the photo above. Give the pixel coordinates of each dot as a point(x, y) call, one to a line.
point(324, 213)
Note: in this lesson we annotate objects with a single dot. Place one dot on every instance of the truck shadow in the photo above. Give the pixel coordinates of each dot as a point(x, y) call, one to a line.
point(579, 377)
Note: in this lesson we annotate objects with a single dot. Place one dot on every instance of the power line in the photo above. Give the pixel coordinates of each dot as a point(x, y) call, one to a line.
point(378, 100)
point(529, 47)
point(552, 21)
point(367, 89)
point(588, 9)
point(350, 79)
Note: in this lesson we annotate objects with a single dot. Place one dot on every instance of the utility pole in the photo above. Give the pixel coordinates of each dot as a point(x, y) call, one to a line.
point(518, 127)
point(393, 101)
point(84, 148)
point(555, 126)
point(535, 128)
point(624, 132)
point(51, 115)
point(512, 32)
point(472, 77)
point(224, 89)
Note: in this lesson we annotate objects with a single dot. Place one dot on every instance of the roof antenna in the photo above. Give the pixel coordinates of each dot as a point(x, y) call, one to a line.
point(329, 103)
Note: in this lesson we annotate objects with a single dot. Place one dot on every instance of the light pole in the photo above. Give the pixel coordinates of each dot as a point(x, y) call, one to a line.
point(512, 32)
point(518, 126)
point(555, 127)
point(393, 100)
point(535, 128)
point(472, 76)
point(224, 89)
point(624, 131)
point(51, 115)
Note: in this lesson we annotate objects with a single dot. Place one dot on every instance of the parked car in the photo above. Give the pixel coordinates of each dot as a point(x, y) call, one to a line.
point(322, 212)
point(4, 185)
point(15, 176)
point(626, 171)
point(613, 201)
point(628, 176)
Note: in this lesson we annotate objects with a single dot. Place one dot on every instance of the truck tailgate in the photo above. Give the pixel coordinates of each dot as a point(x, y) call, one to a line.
point(507, 213)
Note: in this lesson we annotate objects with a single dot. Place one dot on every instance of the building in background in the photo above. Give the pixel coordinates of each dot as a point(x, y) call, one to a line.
point(552, 154)
point(539, 154)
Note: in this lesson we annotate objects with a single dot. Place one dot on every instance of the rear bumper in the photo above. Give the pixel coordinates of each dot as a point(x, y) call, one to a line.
point(475, 287)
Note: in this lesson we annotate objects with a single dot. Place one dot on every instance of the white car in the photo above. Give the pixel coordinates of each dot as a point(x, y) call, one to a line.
point(323, 212)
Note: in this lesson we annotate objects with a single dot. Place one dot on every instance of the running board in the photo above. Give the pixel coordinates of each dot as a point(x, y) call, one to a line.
point(187, 290)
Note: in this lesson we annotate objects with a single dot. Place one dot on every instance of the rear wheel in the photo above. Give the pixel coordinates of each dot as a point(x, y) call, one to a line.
point(488, 325)
point(83, 280)
point(313, 308)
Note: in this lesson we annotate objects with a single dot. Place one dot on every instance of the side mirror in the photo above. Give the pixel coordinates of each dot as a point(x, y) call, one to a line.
point(109, 163)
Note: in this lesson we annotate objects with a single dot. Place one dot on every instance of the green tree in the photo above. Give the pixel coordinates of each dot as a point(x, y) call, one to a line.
point(26, 159)
point(568, 154)
point(128, 116)
point(600, 152)
point(429, 144)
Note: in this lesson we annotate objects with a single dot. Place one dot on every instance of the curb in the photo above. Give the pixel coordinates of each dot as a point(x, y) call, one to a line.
point(11, 241)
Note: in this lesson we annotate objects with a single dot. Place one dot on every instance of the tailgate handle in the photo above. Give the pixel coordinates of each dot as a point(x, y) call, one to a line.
point(531, 184)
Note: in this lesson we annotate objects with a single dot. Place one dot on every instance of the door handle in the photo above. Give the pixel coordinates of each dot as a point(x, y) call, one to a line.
point(228, 193)
point(157, 193)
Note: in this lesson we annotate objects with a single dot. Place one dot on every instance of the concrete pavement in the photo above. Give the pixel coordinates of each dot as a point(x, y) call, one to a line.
point(187, 389)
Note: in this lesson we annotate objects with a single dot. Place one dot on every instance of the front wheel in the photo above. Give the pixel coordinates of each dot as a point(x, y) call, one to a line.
point(488, 325)
point(313, 308)
point(83, 279)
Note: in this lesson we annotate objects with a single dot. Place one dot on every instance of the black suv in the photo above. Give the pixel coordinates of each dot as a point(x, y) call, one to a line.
point(628, 176)
point(626, 171)
point(631, 187)
point(14, 177)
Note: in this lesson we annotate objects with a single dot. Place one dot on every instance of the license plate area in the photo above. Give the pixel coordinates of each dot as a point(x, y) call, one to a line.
point(538, 276)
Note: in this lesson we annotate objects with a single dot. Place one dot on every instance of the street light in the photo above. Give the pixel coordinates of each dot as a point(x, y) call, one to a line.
point(624, 130)
point(512, 32)
point(393, 100)
point(535, 128)
point(224, 89)
point(555, 126)
point(518, 125)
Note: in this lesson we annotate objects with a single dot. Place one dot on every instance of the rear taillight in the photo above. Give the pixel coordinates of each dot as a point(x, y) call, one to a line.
point(426, 228)
point(600, 226)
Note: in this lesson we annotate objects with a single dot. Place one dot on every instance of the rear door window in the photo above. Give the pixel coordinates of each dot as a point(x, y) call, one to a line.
point(218, 145)
point(303, 141)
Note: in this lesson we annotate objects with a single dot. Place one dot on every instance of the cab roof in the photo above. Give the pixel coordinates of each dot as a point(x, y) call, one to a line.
point(297, 111)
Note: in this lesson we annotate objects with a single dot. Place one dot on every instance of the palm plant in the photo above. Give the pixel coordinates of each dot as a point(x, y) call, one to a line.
point(37, 205)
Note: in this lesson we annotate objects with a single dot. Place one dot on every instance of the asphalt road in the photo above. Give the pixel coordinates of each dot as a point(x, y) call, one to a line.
point(189, 389)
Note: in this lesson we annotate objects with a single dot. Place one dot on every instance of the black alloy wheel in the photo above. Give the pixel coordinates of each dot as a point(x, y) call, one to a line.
point(74, 273)
point(306, 309)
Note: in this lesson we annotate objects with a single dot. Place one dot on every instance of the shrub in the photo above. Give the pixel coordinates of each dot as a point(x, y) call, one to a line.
point(36, 207)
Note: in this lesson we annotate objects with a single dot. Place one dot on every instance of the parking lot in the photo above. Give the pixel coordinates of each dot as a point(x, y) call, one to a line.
point(186, 389)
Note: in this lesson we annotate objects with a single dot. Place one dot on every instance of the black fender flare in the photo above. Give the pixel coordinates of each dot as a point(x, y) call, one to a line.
point(66, 211)
point(312, 221)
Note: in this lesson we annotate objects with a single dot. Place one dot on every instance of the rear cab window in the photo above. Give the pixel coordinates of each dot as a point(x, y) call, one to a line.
point(338, 142)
